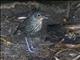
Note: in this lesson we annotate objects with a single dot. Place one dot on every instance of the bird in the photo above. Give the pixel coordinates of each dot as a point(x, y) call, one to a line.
point(30, 26)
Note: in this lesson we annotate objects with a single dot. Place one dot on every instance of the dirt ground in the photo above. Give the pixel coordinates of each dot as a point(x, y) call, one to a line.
point(14, 47)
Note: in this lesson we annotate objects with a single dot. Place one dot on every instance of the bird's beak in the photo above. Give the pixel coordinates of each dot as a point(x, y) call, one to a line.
point(45, 17)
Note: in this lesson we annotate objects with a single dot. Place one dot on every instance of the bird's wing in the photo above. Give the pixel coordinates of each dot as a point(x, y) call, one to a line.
point(32, 27)
point(21, 26)
point(28, 26)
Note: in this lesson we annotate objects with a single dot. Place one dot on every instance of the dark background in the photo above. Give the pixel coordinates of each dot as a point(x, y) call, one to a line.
point(41, 1)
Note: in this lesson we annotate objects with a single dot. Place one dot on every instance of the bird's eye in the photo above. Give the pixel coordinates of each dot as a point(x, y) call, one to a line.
point(38, 15)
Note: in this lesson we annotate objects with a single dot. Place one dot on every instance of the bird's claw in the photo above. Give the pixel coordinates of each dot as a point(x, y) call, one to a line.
point(30, 46)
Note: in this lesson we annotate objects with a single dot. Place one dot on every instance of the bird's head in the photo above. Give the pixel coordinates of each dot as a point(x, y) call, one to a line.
point(39, 16)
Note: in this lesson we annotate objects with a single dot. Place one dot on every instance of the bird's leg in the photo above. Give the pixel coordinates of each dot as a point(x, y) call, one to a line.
point(29, 45)
point(32, 47)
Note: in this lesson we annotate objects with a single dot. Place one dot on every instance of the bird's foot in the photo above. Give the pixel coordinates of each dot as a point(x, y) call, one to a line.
point(30, 46)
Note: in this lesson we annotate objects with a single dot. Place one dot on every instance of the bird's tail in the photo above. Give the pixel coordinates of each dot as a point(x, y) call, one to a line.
point(14, 33)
